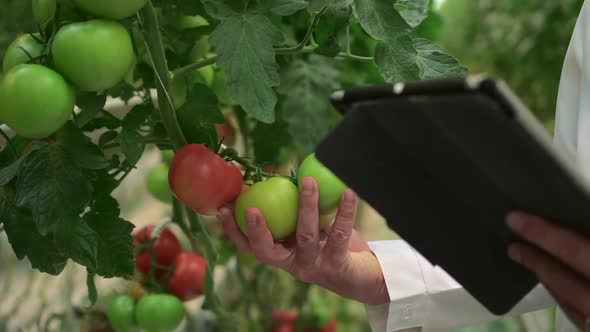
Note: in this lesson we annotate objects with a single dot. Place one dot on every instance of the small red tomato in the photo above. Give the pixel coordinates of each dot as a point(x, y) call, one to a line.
point(202, 180)
point(227, 132)
point(188, 278)
point(166, 248)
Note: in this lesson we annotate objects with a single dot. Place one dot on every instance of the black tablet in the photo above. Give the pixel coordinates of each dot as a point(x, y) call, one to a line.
point(444, 162)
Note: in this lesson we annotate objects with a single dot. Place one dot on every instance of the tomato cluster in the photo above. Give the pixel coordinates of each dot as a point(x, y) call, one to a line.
point(93, 55)
point(153, 313)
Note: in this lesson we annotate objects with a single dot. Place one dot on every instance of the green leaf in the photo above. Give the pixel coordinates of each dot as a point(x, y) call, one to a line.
point(9, 172)
point(78, 241)
point(317, 5)
point(396, 60)
point(107, 136)
point(25, 239)
point(80, 148)
point(244, 43)
point(306, 109)
point(132, 145)
point(52, 186)
point(136, 116)
point(434, 63)
point(102, 119)
point(197, 118)
point(268, 140)
point(288, 7)
point(92, 292)
point(90, 105)
point(220, 9)
point(415, 11)
point(334, 21)
point(380, 19)
point(115, 244)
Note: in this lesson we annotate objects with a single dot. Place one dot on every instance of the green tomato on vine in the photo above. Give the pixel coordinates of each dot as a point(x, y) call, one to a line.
point(22, 50)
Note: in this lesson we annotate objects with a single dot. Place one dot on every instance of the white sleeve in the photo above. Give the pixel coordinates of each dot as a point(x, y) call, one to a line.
point(424, 297)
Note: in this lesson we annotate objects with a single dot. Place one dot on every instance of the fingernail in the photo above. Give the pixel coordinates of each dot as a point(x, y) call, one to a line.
point(251, 218)
point(514, 253)
point(307, 186)
point(515, 222)
point(349, 197)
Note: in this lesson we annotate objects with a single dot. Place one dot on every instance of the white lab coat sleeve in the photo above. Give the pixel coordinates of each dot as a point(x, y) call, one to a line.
point(425, 298)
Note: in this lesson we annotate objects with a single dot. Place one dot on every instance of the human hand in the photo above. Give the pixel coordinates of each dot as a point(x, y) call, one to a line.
point(338, 258)
point(561, 260)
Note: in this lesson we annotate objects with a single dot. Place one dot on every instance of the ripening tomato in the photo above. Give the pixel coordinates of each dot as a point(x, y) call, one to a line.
point(277, 199)
point(43, 11)
point(121, 313)
point(115, 9)
point(202, 180)
point(227, 132)
point(157, 183)
point(159, 313)
point(22, 50)
point(166, 248)
point(36, 101)
point(330, 186)
point(95, 54)
point(188, 278)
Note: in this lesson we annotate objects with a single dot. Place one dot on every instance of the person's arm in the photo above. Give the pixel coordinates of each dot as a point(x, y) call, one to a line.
point(426, 297)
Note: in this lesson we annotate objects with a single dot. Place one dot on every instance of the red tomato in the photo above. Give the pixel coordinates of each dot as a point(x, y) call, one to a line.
point(166, 248)
point(188, 279)
point(227, 132)
point(202, 180)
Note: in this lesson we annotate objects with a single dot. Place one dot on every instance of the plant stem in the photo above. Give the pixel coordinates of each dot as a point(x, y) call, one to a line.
point(178, 218)
point(155, 51)
point(315, 20)
point(244, 130)
point(194, 66)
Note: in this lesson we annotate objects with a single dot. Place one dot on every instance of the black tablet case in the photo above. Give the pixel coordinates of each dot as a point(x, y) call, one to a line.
point(444, 162)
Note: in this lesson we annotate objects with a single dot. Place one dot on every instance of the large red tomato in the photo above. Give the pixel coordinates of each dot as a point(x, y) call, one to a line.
point(166, 248)
point(202, 180)
point(188, 278)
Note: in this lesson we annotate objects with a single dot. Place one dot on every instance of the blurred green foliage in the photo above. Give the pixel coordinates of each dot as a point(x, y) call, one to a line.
point(15, 18)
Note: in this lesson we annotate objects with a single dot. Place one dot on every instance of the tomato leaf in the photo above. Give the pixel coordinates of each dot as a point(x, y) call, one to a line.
point(379, 19)
point(90, 104)
point(115, 245)
point(92, 292)
point(25, 239)
point(106, 137)
point(317, 5)
point(52, 186)
point(433, 62)
point(9, 172)
point(244, 43)
point(102, 119)
point(288, 7)
point(78, 241)
point(306, 109)
point(136, 116)
point(80, 148)
point(415, 11)
point(396, 60)
point(198, 116)
point(132, 145)
point(334, 20)
point(268, 139)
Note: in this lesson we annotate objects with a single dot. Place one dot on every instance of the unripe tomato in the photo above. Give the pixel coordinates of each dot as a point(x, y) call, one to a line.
point(157, 183)
point(43, 11)
point(36, 101)
point(115, 9)
point(167, 156)
point(330, 186)
point(188, 278)
point(246, 258)
point(277, 199)
point(16, 55)
point(121, 313)
point(166, 248)
point(202, 180)
point(159, 313)
point(95, 54)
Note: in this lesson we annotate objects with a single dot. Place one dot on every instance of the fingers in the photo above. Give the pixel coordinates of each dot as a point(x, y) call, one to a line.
point(572, 289)
point(262, 243)
point(233, 231)
point(308, 227)
point(336, 248)
point(568, 247)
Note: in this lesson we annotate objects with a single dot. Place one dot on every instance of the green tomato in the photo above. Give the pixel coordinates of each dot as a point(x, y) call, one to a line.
point(220, 88)
point(157, 183)
point(43, 11)
point(200, 49)
point(327, 218)
point(95, 54)
point(159, 313)
point(36, 101)
point(204, 75)
point(277, 199)
point(329, 185)
point(246, 258)
point(167, 156)
point(16, 55)
point(178, 91)
point(121, 313)
point(115, 9)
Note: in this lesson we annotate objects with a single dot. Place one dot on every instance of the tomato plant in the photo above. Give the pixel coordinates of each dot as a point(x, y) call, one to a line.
point(165, 249)
point(24, 49)
point(202, 180)
point(121, 313)
point(330, 186)
point(159, 313)
point(95, 54)
point(43, 11)
point(115, 9)
point(188, 277)
point(157, 183)
point(36, 100)
point(278, 201)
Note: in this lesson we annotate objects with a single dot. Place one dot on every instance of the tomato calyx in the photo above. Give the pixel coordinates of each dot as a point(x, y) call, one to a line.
point(253, 172)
